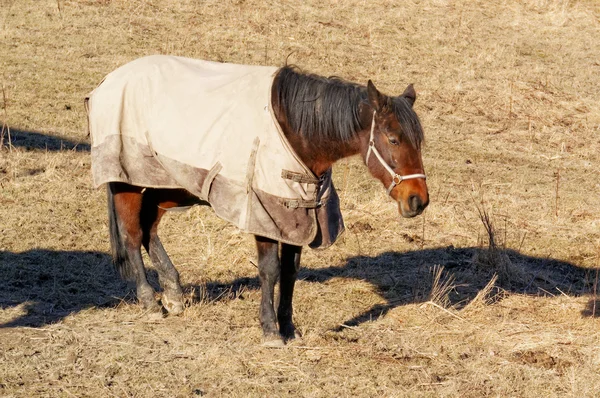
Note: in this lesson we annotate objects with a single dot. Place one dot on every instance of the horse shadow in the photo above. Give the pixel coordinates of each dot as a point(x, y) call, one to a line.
point(402, 278)
point(407, 278)
point(44, 286)
point(34, 140)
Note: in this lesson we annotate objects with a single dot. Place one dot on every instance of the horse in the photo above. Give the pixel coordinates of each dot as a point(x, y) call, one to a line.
point(323, 119)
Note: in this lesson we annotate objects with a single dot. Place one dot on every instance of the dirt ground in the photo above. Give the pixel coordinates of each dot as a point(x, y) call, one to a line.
point(508, 96)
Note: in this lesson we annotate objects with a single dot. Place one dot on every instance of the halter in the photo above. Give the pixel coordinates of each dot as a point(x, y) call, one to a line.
point(396, 178)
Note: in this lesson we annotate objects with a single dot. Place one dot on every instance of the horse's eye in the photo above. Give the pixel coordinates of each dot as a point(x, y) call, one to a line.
point(393, 141)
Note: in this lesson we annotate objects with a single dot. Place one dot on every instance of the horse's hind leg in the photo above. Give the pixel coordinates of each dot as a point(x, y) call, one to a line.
point(124, 207)
point(154, 204)
point(290, 264)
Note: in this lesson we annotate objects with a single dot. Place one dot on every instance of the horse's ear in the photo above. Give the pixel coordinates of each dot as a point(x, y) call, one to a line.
point(410, 94)
point(376, 99)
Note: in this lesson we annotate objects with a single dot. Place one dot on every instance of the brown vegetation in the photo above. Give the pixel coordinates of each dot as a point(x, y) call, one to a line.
point(490, 293)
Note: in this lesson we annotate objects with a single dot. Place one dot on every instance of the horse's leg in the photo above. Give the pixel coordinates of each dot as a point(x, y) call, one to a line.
point(124, 208)
point(268, 272)
point(290, 265)
point(153, 208)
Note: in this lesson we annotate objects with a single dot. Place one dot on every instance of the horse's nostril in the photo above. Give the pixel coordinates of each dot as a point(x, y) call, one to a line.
point(415, 202)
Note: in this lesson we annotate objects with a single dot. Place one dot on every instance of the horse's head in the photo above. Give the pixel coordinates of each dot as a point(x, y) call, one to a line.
point(393, 151)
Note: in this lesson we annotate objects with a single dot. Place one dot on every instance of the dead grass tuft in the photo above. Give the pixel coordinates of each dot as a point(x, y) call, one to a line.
point(490, 294)
point(441, 286)
point(495, 258)
point(5, 130)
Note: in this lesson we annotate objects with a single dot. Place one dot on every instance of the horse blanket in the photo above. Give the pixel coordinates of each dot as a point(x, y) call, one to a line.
point(209, 128)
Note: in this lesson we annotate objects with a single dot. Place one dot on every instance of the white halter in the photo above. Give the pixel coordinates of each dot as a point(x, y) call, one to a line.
point(396, 178)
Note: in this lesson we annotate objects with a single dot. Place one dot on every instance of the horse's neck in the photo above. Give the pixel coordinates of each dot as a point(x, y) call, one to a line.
point(320, 155)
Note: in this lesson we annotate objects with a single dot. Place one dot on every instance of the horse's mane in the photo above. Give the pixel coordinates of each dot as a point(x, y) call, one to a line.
point(329, 108)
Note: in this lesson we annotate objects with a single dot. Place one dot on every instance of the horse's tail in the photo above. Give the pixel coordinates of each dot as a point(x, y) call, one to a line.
point(117, 242)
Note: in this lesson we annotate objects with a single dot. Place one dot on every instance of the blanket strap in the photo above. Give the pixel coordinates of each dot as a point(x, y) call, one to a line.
point(252, 164)
point(208, 180)
point(299, 177)
point(300, 203)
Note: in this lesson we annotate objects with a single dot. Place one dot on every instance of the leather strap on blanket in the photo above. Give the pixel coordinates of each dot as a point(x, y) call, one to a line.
point(302, 179)
point(299, 177)
point(296, 203)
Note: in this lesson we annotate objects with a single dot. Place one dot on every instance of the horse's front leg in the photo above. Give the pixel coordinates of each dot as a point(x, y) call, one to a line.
point(268, 272)
point(290, 265)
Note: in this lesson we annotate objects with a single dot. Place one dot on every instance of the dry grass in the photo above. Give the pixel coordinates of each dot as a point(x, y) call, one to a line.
point(422, 307)
point(495, 258)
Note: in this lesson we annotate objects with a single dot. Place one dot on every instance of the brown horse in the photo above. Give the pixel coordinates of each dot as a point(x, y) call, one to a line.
point(324, 120)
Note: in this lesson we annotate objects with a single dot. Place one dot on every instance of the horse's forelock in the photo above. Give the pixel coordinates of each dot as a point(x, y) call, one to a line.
point(409, 121)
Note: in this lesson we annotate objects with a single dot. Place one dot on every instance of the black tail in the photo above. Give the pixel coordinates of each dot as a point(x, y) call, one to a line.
point(117, 243)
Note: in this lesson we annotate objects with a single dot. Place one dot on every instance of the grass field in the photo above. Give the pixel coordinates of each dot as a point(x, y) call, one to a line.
point(508, 96)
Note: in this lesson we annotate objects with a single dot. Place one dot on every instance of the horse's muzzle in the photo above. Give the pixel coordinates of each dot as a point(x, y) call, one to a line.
point(413, 206)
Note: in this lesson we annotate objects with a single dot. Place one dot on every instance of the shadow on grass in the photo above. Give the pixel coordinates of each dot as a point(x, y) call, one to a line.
point(45, 286)
point(33, 140)
point(405, 278)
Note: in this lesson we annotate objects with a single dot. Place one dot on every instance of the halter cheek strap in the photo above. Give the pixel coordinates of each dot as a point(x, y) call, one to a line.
point(396, 178)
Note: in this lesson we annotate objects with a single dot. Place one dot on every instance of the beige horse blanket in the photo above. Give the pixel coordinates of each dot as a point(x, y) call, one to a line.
point(208, 127)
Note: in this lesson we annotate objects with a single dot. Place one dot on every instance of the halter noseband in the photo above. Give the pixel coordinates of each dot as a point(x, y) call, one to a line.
point(396, 178)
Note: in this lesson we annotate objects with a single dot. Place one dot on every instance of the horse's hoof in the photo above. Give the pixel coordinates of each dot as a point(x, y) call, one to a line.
point(291, 333)
point(273, 342)
point(173, 307)
point(145, 295)
point(153, 312)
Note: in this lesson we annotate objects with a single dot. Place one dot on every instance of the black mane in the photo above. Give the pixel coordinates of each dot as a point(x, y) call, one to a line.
point(329, 108)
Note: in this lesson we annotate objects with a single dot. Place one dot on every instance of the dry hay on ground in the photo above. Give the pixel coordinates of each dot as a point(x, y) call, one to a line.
point(423, 307)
